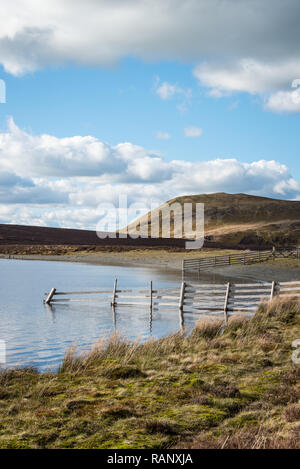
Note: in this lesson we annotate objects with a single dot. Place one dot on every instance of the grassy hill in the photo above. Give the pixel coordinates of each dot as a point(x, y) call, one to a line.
point(233, 219)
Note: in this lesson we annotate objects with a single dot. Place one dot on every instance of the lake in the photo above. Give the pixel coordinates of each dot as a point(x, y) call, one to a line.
point(38, 335)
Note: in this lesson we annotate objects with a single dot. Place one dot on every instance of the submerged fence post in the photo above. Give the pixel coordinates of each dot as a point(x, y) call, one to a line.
point(113, 300)
point(181, 298)
point(151, 305)
point(50, 296)
point(226, 304)
point(151, 300)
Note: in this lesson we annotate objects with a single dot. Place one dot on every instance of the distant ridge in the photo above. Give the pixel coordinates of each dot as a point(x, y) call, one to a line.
point(40, 235)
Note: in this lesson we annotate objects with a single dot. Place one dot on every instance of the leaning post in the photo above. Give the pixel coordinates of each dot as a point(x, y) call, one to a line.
point(226, 304)
point(272, 290)
point(50, 296)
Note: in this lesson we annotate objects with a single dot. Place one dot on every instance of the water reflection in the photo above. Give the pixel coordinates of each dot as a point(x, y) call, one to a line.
point(38, 335)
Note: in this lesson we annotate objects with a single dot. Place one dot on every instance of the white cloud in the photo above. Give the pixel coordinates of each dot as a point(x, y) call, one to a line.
point(62, 181)
point(163, 135)
point(46, 155)
point(167, 90)
point(193, 131)
point(246, 75)
point(101, 32)
point(248, 46)
point(270, 80)
point(285, 101)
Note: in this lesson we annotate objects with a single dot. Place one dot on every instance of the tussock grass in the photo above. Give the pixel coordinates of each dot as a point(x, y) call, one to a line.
point(292, 413)
point(216, 388)
point(256, 438)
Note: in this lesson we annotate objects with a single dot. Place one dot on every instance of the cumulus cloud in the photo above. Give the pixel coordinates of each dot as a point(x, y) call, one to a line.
point(101, 32)
point(270, 80)
point(285, 101)
point(52, 181)
point(247, 46)
point(246, 75)
point(15, 189)
point(46, 155)
point(193, 131)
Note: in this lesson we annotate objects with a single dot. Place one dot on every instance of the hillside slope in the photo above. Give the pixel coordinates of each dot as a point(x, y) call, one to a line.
point(232, 219)
point(21, 235)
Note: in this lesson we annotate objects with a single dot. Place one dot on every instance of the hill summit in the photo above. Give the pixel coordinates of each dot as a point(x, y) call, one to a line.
point(230, 219)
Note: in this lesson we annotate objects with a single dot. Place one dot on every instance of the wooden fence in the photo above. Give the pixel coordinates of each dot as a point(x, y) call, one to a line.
point(213, 299)
point(153, 298)
point(203, 263)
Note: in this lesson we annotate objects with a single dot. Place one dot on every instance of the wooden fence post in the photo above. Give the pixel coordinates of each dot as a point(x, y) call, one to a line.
point(272, 290)
point(114, 316)
point(226, 304)
point(113, 300)
point(50, 296)
point(181, 298)
point(181, 320)
point(151, 298)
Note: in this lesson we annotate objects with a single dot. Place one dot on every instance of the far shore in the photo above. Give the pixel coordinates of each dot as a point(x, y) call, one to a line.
point(163, 259)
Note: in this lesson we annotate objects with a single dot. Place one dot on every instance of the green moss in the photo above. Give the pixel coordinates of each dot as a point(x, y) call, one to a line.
point(270, 377)
point(243, 420)
point(198, 383)
point(122, 372)
point(14, 444)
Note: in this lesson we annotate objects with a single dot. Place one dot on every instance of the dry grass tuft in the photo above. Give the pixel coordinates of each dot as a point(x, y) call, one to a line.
point(209, 329)
point(161, 426)
point(292, 413)
point(255, 438)
point(123, 372)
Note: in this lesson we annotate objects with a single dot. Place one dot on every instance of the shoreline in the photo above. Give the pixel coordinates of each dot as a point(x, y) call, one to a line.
point(278, 270)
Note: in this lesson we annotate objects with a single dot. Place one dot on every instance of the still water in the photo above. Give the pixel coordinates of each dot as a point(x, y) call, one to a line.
point(38, 335)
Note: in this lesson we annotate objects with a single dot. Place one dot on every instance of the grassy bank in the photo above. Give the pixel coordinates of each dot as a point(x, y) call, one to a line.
point(238, 389)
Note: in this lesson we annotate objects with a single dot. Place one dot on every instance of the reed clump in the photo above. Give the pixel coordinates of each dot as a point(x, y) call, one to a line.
point(233, 387)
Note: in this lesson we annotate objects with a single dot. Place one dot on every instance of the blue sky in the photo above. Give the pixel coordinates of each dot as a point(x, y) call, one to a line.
point(189, 102)
point(119, 104)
